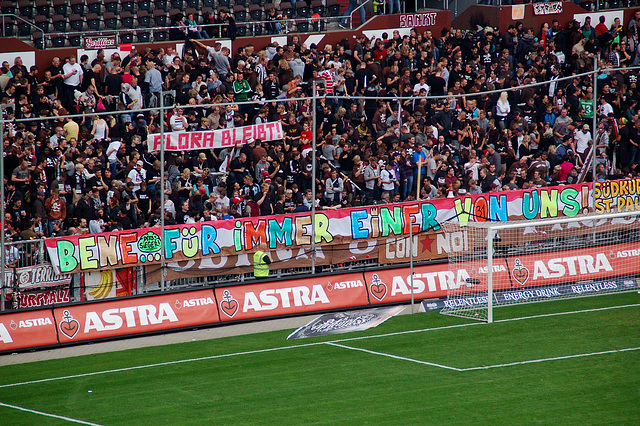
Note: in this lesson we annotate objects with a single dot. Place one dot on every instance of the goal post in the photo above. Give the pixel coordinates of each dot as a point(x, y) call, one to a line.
point(508, 263)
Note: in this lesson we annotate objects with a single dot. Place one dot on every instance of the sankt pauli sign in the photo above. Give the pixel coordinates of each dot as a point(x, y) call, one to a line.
point(73, 254)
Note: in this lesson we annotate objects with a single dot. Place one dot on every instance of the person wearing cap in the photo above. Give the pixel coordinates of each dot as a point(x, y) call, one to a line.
point(137, 175)
point(582, 140)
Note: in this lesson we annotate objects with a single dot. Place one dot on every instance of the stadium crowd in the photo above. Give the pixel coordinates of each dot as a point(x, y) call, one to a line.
point(380, 139)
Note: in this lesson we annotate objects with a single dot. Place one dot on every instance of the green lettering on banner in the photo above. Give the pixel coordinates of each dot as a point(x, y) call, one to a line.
point(548, 203)
point(462, 213)
point(429, 213)
point(66, 259)
point(391, 223)
point(530, 204)
point(84, 247)
point(280, 233)
point(571, 205)
point(322, 228)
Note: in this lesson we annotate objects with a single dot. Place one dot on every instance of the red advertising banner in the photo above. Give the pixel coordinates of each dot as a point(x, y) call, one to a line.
point(139, 315)
point(221, 138)
point(431, 281)
point(291, 297)
point(27, 329)
point(32, 299)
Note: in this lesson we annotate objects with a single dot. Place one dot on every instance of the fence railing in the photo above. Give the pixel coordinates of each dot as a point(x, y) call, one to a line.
point(162, 33)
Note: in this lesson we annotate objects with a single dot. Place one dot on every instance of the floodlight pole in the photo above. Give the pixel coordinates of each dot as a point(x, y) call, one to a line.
point(2, 223)
point(313, 177)
point(595, 124)
point(593, 135)
point(411, 260)
point(162, 208)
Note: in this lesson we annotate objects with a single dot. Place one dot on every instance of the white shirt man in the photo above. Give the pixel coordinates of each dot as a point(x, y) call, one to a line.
point(582, 137)
point(72, 72)
point(137, 175)
point(178, 121)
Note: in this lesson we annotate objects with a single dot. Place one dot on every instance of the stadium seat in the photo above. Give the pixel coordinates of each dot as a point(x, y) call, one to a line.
point(93, 22)
point(128, 5)
point(9, 29)
point(177, 4)
point(255, 12)
point(333, 8)
point(160, 18)
point(257, 29)
point(43, 23)
point(110, 21)
point(144, 5)
point(43, 7)
point(75, 41)
point(287, 10)
point(95, 6)
point(162, 5)
point(241, 3)
point(24, 29)
point(257, 2)
point(586, 4)
point(144, 19)
point(241, 29)
point(61, 7)
point(25, 7)
point(303, 10)
point(317, 7)
point(111, 6)
point(58, 41)
point(126, 20)
point(8, 7)
point(225, 3)
point(193, 3)
point(240, 14)
point(614, 4)
point(77, 7)
point(38, 42)
point(144, 37)
point(126, 38)
point(160, 36)
point(76, 22)
point(189, 10)
point(209, 3)
point(59, 24)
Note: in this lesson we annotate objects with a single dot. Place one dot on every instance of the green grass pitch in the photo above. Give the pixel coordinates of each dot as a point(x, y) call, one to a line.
point(414, 369)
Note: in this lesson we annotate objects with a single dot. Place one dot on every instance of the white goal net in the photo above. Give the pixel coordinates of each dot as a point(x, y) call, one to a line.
point(531, 261)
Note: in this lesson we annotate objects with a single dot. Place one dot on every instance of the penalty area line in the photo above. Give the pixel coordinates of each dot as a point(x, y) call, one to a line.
point(402, 358)
point(555, 358)
point(53, 416)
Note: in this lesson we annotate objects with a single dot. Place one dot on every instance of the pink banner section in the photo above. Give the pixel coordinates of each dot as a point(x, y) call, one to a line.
point(221, 138)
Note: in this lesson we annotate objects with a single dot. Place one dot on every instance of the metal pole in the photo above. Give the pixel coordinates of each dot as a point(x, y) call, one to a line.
point(2, 198)
point(313, 179)
point(411, 259)
point(162, 212)
point(593, 135)
point(595, 124)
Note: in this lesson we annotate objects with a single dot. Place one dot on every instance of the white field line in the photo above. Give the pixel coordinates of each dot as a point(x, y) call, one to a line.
point(54, 416)
point(182, 361)
point(555, 358)
point(402, 358)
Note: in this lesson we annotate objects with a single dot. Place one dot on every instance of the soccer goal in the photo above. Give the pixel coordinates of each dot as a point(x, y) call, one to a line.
point(507, 263)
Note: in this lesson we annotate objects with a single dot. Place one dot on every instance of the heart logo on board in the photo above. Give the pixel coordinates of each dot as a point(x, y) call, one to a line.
point(69, 325)
point(229, 305)
point(378, 289)
point(520, 272)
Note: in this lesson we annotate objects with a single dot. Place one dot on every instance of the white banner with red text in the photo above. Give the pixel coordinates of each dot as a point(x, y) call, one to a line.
point(212, 139)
